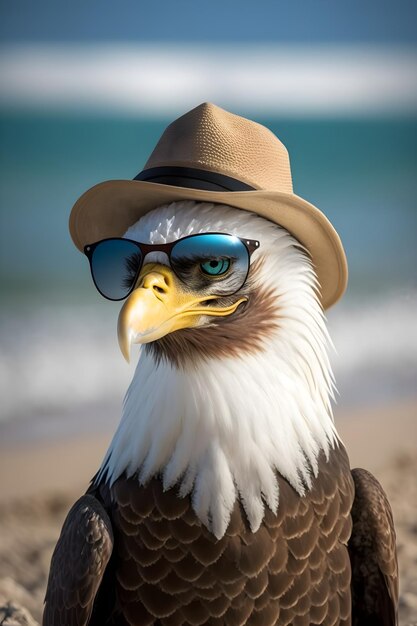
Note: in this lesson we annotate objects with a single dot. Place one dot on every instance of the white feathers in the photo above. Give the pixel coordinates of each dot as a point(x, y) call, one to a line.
point(220, 430)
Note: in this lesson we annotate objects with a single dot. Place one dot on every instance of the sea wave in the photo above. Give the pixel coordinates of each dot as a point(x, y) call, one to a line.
point(376, 348)
point(65, 361)
point(152, 78)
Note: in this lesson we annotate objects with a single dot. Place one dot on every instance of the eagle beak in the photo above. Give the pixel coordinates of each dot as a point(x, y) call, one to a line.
point(160, 305)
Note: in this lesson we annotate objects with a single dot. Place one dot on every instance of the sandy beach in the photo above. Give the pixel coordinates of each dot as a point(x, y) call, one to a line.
point(39, 482)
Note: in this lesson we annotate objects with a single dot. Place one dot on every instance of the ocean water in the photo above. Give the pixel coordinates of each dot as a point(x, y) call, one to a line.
point(60, 368)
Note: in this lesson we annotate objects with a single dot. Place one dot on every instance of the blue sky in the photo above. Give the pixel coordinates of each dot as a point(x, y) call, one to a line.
point(278, 21)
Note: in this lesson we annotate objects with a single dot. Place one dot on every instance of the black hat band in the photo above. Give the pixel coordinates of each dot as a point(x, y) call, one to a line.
point(192, 178)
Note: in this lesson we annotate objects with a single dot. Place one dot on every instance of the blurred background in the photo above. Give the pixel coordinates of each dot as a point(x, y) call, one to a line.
point(86, 89)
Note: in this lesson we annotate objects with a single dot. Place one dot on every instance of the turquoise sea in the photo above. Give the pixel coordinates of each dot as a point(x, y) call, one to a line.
point(58, 349)
point(361, 172)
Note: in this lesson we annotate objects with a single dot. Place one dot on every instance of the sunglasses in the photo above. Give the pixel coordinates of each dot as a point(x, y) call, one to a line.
point(214, 261)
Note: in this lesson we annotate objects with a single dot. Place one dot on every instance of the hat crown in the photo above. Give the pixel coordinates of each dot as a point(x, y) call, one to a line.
point(210, 138)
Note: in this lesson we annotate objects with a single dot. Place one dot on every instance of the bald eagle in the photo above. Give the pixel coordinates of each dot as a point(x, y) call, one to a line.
point(225, 496)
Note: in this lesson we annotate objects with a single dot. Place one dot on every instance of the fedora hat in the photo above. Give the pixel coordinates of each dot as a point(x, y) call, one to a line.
point(211, 155)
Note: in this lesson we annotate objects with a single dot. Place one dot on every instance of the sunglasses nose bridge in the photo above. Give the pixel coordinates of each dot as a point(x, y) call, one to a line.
point(156, 256)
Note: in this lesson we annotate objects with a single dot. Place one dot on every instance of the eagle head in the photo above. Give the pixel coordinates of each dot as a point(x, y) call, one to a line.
point(233, 379)
point(208, 307)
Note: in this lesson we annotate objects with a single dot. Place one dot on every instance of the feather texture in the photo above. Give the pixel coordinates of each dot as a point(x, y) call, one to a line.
point(373, 555)
point(78, 564)
point(168, 569)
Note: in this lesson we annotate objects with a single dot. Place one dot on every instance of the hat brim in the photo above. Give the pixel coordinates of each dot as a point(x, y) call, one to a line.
point(109, 208)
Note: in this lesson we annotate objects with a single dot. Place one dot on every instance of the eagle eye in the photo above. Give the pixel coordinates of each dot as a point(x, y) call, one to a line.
point(215, 267)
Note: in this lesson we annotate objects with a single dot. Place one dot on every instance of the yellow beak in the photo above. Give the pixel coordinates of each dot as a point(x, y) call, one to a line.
point(160, 305)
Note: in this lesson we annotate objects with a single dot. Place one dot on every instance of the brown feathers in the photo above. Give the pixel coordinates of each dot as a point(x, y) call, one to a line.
point(373, 555)
point(78, 564)
point(168, 569)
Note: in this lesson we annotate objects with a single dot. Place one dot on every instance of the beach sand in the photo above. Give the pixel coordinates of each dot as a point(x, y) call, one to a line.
point(39, 483)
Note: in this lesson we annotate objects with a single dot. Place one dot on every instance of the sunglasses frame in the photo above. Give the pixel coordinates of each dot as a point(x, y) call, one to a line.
point(145, 248)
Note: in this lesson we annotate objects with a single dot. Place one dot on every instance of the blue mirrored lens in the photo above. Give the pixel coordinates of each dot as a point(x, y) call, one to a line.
point(115, 264)
point(221, 250)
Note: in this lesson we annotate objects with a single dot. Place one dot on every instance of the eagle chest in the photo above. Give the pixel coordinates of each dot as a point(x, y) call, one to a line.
point(295, 569)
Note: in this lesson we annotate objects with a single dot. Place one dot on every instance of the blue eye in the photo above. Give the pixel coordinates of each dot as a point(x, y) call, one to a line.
point(215, 267)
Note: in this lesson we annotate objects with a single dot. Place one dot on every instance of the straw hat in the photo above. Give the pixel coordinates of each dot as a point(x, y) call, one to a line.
point(211, 155)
